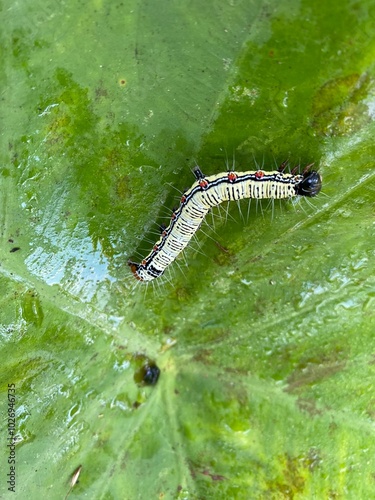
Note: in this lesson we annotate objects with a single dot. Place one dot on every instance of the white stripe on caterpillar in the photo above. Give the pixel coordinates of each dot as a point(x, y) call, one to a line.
point(208, 192)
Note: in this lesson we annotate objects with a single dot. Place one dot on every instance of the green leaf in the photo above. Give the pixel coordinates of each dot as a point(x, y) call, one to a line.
point(265, 341)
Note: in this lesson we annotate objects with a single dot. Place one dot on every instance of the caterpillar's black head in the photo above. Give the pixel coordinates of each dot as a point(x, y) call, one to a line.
point(310, 185)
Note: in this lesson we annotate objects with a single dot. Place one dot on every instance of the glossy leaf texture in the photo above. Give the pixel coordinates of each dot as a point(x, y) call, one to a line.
point(247, 373)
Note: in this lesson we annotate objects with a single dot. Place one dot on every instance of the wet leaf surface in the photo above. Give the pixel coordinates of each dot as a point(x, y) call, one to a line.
point(250, 373)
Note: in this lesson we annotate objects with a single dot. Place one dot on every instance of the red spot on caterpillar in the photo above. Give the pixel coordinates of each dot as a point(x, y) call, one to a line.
point(232, 176)
point(259, 174)
point(203, 184)
point(164, 234)
point(134, 269)
point(183, 199)
point(144, 262)
point(156, 248)
point(173, 216)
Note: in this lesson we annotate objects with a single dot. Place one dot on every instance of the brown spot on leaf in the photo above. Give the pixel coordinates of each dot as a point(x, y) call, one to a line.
point(339, 106)
point(309, 406)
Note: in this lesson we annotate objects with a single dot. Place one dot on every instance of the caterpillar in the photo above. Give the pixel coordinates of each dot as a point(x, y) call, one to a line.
point(208, 192)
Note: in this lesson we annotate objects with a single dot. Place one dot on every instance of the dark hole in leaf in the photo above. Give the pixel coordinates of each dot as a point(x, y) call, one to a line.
point(148, 374)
